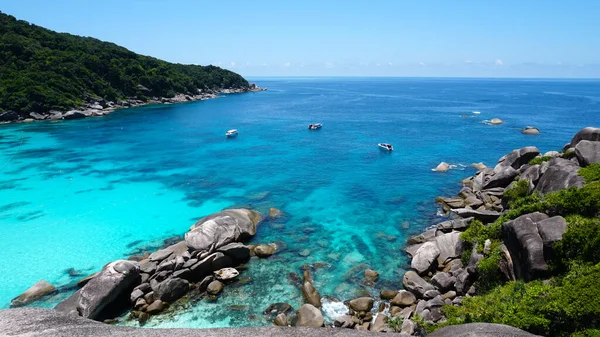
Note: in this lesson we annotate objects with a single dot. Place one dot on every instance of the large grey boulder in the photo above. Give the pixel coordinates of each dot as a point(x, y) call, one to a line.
point(235, 250)
point(423, 237)
point(171, 289)
point(37, 116)
point(450, 246)
point(8, 116)
point(361, 304)
point(463, 281)
point(74, 114)
point(169, 252)
point(265, 250)
point(484, 216)
point(415, 284)
point(560, 174)
point(530, 130)
point(221, 228)
point(551, 230)
point(309, 315)
point(456, 224)
point(39, 289)
point(526, 247)
point(116, 280)
point(587, 152)
point(403, 299)
point(202, 268)
point(310, 293)
point(480, 330)
point(532, 175)
point(589, 133)
point(425, 258)
point(517, 158)
point(443, 281)
point(503, 175)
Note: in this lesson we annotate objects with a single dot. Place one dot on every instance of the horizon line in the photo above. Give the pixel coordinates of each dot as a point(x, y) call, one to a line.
point(427, 77)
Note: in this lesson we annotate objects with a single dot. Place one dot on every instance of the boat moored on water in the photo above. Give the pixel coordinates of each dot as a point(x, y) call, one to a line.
point(315, 126)
point(385, 146)
point(231, 133)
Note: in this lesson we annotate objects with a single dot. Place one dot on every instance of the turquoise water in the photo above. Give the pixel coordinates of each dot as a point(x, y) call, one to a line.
point(79, 194)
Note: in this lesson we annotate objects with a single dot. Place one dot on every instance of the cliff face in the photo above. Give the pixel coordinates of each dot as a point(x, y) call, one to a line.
point(42, 70)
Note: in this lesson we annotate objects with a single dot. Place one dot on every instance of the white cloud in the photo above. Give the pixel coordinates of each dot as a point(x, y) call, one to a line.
point(378, 64)
point(232, 64)
point(499, 62)
point(287, 64)
point(328, 64)
point(468, 61)
point(390, 64)
point(422, 64)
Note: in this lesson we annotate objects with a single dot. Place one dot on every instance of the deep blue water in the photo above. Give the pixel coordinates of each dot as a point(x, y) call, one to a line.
point(78, 194)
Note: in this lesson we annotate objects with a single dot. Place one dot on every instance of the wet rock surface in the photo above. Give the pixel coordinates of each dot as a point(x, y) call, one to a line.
point(36, 291)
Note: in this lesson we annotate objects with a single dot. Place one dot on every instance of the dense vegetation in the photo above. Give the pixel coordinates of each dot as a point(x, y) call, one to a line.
point(566, 305)
point(42, 70)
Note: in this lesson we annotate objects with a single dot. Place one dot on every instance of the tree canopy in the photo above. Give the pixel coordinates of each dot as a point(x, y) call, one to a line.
point(42, 70)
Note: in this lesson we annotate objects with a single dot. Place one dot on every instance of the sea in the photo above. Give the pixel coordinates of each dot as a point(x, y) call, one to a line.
point(75, 195)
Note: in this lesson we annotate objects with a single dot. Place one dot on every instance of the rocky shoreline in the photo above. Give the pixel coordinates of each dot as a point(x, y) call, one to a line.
point(444, 267)
point(99, 107)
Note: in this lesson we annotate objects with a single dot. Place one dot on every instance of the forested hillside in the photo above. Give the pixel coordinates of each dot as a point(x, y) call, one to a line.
point(42, 70)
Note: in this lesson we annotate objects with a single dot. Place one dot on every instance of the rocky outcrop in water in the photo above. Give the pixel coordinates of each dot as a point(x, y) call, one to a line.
point(530, 130)
point(440, 277)
point(309, 315)
point(36, 291)
point(202, 262)
point(104, 291)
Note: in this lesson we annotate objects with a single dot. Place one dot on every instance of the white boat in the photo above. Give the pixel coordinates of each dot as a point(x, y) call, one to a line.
point(315, 126)
point(231, 133)
point(387, 147)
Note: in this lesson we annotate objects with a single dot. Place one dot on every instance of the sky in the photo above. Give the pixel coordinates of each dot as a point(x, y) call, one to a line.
point(445, 38)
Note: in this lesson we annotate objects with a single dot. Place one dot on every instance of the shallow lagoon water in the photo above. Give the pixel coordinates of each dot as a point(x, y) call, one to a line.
point(79, 194)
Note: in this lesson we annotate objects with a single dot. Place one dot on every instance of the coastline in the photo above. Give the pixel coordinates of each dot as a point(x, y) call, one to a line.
point(99, 108)
point(439, 277)
point(437, 174)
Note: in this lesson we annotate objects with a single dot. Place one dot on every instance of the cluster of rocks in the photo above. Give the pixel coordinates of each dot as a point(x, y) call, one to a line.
point(439, 277)
point(202, 262)
point(308, 314)
point(99, 107)
point(35, 292)
point(481, 195)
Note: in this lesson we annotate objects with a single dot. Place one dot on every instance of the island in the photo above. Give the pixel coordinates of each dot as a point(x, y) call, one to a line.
point(50, 75)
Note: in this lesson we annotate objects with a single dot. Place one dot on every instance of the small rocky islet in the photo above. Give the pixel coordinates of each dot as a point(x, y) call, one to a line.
point(441, 275)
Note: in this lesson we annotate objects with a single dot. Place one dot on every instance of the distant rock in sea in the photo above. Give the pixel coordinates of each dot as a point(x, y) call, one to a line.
point(530, 130)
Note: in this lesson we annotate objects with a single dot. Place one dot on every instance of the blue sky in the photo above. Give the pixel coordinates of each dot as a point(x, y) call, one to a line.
point(462, 38)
